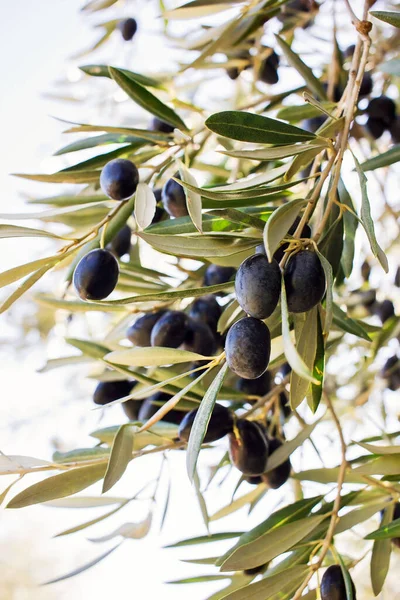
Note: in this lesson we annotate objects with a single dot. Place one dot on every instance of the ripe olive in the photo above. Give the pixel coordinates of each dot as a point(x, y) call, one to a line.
point(269, 69)
point(258, 286)
point(248, 447)
point(131, 409)
point(396, 515)
point(96, 275)
point(174, 199)
point(304, 281)
point(395, 130)
point(365, 270)
point(170, 329)
point(382, 108)
point(121, 243)
point(108, 391)
point(256, 570)
point(255, 387)
point(376, 127)
point(215, 274)
point(219, 425)
point(161, 126)
point(206, 310)
point(313, 123)
point(384, 310)
point(366, 85)
point(278, 476)
point(140, 331)
point(284, 405)
point(333, 586)
point(119, 179)
point(199, 338)
point(248, 348)
point(151, 405)
point(128, 28)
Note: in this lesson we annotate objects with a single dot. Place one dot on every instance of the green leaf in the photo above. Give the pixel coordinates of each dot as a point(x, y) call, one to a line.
point(89, 565)
point(103, 71)
point(306, 347)
point(199, 8)
point(379, 449)
point(120, 457)
point(276, 152)
point(145, 205)
point(198, 247)
point(205, 539)
point(237, 504)
point(89, 348)
point(315, 394)
point(21, 289)
point(85, 501)
point(193, 199)
point(152, 356)
point(391, 530)
point(270, 545)
point(347, 579)
point(393, 18)
point(59, 486)
point(384, 465)
point(146, 99)
point(341, 320)
point(366, 219)
point(360, 515)
point(350, 222)
point(380, 559)
point(326, 265)
point(279, 223)
point(200, 424)
point(91, 522)
point(280, 583)
point(385, 159)
point(248, 127)
point(292, 356)
point(63, 177)
point(295, 61)
point(16, 273)
point(299, 112)
point(14, 231)
point(284, 452)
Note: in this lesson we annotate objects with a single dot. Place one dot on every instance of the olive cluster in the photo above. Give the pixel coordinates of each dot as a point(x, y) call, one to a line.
point(258, 287)
point(382, 117)
point(333, 586)
point(195, 331)
point(249, 445)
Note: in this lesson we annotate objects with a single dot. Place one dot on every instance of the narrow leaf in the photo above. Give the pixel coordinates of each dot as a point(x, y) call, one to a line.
point(200, 424)
point(146, 99)
point(152, 356)
point(385, 159)
point(380, 559)
point(145, 205)
point(393, 18)
point(120, 457)
point(279, 223)
point(193, 200)
point(284, 451)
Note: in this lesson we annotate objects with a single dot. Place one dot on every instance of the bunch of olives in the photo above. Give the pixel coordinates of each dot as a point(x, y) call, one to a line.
point(382, 116)
point(258, 287)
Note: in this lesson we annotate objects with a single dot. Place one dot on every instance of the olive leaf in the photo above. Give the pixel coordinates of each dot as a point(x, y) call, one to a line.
point(145, 205)
point(193, 199)
point(294, 359)
point(384, 159)
point(279, 224)
point(381, 553)
point(152, 356)
point(121, 455)
point(205, 539)
point(58, 486)
point(279, 583)
point(248, 127)
point(393, 18)
point(284, 452)
point(388, 531)
point(366, 218)
point(200, 424)
point(146, 99)
point(276, 152)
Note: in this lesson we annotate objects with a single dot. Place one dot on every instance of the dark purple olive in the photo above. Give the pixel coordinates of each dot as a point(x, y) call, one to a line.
point(206, 310)
point(248, 447)
point(121, 243)
point(108, 391)
point(119, 179)
point(258, 286)
point(174, 199)
point(215, 274)
point(161, 126)
point(151, 405)
point(128, 28)
point(333, 586)
point(248, 348)
point(170, 329)
point(376, 127)
point(139, 333)
point(96, 275)
point(199, 338)
point(384, 310)
point(255, 387)
point(366, 85)
point(304, 281)
point(278, 476)
point(219, 425)
point(382, 108)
